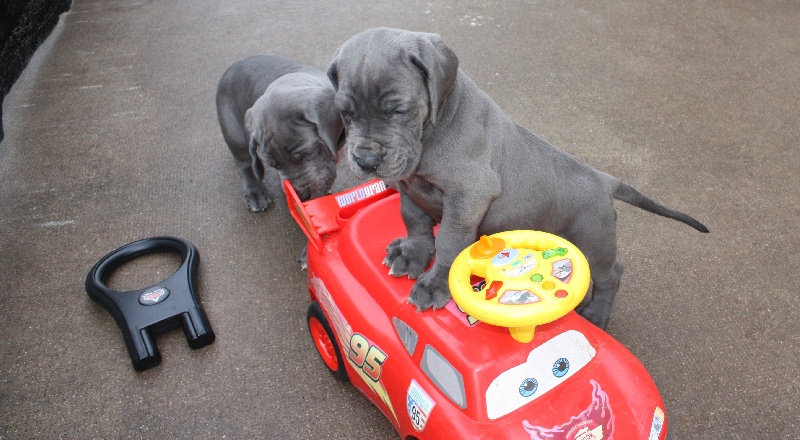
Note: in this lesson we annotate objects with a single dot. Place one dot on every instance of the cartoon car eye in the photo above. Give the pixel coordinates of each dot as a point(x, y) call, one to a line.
point(561, 367)
point(528, 387)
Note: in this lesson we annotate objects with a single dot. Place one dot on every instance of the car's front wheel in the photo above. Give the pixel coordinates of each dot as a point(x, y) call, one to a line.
point(325, 341)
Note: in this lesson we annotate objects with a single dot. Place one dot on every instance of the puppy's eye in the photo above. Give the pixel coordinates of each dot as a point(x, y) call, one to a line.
point(398, 113)
point(272, 162)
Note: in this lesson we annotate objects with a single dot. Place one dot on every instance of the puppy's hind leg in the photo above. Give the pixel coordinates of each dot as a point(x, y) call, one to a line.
point(598, 309)
point(302, 259)
point(596, 237)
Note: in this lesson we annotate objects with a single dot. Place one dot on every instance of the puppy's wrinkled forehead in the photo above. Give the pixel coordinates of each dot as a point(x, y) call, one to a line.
point(292, 94)
point(377, 63)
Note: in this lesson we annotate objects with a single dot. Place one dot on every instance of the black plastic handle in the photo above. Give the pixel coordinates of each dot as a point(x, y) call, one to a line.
point(143, 314)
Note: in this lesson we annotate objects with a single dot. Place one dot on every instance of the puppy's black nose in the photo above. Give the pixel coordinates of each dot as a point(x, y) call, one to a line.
point(368, 156)
point(369, 161)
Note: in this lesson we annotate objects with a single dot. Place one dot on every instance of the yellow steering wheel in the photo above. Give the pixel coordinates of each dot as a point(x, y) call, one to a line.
point(532, 278)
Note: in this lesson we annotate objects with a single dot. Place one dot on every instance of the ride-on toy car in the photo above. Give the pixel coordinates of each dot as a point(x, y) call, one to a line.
point(475, 369)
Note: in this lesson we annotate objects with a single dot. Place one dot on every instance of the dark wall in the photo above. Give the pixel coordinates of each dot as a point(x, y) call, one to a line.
point(24, 25)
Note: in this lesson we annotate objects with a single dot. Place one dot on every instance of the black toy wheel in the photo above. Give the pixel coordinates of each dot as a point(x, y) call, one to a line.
point(325, 341)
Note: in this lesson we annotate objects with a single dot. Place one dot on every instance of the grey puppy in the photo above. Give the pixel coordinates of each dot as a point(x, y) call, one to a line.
point(414, 119)
point(276, 111)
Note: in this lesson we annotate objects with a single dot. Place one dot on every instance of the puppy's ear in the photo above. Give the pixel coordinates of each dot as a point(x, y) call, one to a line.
point(258, 166)
point(439, 65)
point(333, 71)
point(324, 115)
point(255, 137)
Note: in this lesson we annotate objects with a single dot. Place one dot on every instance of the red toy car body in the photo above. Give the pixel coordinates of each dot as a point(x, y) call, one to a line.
point(439, 374)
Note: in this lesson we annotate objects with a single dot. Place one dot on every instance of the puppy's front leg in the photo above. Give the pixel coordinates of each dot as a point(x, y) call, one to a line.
point(412, 253)
point(459, 228)
point(256, 196)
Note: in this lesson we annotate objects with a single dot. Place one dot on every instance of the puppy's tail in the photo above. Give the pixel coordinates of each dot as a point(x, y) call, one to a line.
point(630, 195)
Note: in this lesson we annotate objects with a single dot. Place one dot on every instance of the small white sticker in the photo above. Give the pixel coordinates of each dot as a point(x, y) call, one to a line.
point(419, 405)
point(519, 297)
point(522, 269)
point(657, 425)
point(504, 257)
point(563, 270)
point(360, 193)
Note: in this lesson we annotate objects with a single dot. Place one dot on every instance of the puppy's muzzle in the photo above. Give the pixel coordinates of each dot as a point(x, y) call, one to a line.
point(368, 155)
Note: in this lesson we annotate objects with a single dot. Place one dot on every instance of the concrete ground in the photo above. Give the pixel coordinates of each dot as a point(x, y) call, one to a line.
point(111, 136)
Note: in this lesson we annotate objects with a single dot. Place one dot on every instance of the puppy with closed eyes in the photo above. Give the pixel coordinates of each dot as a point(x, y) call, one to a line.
point(279, 112)
point(414, 119)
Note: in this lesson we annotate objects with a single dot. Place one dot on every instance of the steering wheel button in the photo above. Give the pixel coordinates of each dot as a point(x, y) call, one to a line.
point(491, 292)
point(548, 285)
point(519, 297)
point(561, 294)
point(562, 270)
point(487, 247)
point(537, 278)
point(557, 252)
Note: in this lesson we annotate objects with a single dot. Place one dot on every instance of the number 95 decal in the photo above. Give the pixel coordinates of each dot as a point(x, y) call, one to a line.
point(369, 358)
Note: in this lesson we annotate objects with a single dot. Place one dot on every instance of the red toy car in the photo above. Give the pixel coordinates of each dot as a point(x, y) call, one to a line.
point(441, 374)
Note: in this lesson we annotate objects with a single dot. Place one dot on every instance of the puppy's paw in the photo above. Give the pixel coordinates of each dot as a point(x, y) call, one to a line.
point(302, 259)
point(596, 313)
point(408, 256)
point(430, 290)
point(257, 199)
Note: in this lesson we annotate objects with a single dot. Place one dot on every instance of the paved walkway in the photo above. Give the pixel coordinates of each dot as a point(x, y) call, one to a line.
point(111, 136)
